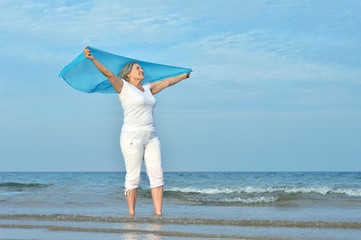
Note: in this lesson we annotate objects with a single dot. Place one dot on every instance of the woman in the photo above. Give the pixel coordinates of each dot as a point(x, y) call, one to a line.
point(138, 139)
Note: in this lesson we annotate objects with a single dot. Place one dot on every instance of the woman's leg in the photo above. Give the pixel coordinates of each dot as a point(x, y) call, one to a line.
point(131, 197)
point(133, 151)
point(152, 159)
point(157, 195)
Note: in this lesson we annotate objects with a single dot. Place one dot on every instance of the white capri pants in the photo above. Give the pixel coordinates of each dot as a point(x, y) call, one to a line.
point(137, 146)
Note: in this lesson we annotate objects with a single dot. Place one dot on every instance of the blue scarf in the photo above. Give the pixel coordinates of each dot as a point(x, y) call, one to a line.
point(83, 75)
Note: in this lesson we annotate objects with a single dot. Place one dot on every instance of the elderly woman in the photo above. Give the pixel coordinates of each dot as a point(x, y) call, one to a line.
point(138, 139)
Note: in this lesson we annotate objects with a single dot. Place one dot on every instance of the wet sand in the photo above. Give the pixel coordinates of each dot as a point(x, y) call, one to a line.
point(41, 227)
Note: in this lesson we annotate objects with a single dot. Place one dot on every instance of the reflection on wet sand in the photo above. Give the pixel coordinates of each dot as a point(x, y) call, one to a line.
point(148, 227)
point(154, 227)
point(131, 235)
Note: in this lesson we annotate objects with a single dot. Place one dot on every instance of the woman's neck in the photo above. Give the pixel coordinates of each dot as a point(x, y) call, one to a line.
point(135, 82)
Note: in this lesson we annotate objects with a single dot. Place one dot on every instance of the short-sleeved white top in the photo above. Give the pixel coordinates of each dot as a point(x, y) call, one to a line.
point(138, 108)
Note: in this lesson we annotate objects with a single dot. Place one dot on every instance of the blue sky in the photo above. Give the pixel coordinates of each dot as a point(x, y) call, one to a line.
point(276, 84)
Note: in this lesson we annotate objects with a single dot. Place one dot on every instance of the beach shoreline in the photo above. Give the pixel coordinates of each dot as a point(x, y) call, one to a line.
point(167, 228)
point(199, 205)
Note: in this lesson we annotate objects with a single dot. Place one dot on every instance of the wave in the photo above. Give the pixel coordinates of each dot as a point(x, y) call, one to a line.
point(267, 190)
point(184, 221)
point(250, 200)
point(15, 186)
point(235, 200)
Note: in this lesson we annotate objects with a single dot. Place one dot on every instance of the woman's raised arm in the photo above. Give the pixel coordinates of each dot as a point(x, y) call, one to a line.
point(113, 79)
point(156, 87)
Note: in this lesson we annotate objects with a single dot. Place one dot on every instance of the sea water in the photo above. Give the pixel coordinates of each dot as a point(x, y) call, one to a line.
point(268, 204)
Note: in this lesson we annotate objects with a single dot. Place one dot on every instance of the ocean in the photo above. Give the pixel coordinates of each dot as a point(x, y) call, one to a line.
point(197, 205)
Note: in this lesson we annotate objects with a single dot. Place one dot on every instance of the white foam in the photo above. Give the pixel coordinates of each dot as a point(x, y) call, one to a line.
point(250, 200)
point(349, 192)
point(289, 190)
point(203, 191)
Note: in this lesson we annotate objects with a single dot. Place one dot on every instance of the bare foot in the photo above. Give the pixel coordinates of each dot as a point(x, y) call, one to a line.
point(157, 215)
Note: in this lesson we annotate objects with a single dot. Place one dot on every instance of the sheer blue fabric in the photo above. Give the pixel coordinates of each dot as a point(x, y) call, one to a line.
point(83, 75)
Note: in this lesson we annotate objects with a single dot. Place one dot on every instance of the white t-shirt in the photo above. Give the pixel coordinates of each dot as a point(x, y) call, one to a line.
point(138, 108)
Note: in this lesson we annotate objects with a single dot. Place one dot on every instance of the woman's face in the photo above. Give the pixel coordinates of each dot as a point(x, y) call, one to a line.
point(137, 72)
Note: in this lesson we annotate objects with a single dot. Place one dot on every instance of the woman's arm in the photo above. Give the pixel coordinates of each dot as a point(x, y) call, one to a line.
point(113, 79)
point(156, 87)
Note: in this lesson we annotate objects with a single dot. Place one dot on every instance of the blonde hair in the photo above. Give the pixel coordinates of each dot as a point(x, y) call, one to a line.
point(126, 70)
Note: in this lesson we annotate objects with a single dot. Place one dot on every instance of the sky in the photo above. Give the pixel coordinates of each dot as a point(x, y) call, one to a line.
point(276, 85)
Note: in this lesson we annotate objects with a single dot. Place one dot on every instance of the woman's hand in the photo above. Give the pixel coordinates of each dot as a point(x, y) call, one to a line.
point(87, 53)
point(188, 74)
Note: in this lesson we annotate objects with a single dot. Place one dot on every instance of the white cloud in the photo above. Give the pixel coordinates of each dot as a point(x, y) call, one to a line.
point(114, 22)
point(57, 28)
point(221, 41)
point(250, 56)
